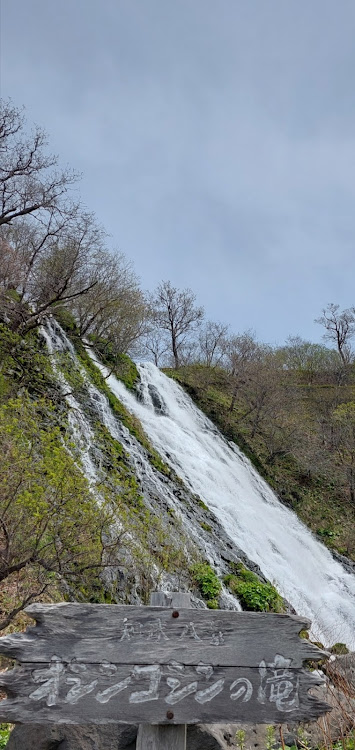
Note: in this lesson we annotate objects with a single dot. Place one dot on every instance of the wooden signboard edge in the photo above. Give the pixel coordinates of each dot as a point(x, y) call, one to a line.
point(169, 735)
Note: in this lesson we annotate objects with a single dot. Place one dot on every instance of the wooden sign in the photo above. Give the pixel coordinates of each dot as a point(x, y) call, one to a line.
point(95, 663)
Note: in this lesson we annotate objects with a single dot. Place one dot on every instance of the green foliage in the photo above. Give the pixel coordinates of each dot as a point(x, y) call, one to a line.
point(121, 364)
point(5, 730)
point(65, 318)
point(339, 648)
point(71, 372)
point(207, 582)
point(52, 527)
point(345, 743)
point(270, 737)
point(200, 502)
point(240, 737)
point(205, 526)
point(252, 593)
point(24, 365)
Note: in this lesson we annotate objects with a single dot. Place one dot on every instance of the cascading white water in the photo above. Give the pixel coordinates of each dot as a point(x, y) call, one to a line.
point(303, 570)
point(83, 439)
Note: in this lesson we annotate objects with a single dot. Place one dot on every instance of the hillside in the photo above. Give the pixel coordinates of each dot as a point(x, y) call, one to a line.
point(310, 475)
point(90, 511)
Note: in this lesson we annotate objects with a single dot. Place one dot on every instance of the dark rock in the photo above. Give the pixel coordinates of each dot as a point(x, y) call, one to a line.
point(348, 564)
point(70, 737)
point(199, 737)
point(25, 737)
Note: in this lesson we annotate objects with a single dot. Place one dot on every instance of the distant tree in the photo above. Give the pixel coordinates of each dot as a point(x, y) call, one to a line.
point(308, 360)
point(156, 345)
point(339, 328)
point(175, 312)
point(241, 350)
point(29, 184)
point(212, 342)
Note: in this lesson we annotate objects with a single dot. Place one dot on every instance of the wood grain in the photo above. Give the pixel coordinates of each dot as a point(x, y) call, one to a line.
point(101, 704)
point(161, 737)
point(121, 634)
point(166, 664)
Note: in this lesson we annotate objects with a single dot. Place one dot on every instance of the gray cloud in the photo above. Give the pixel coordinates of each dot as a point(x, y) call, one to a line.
point(217, 141)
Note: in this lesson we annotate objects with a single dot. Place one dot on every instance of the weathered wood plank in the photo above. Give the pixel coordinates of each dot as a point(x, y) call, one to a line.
point(161, 737)
point(144, 635)
point(172, 694)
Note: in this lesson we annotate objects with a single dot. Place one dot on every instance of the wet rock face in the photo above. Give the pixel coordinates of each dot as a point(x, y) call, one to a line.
point(157, 401)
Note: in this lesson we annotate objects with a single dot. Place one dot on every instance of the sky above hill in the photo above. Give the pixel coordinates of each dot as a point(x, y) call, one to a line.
point(216, 141)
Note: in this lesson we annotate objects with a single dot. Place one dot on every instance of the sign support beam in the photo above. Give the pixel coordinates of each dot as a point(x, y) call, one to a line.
point(161, 736)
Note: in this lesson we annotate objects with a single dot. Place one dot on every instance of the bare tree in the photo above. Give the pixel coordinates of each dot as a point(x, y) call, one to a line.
point(175, 312)
point(57, 263)
point(241, 351)
point(339, 328)
point(155, 344)
point(115, 308)
point(212, 341)
point(309, 361)
point(29, 184)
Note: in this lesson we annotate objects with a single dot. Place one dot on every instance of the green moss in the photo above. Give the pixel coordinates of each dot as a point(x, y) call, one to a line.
point(253, 595)
point(207, 582)
point(212, 603)
point(127, 419)
point(339, 648)
point(205, 526)
point(304, 634)
point(25, 364)
point(119, 476)
point(120, 364)
point(200, 502)
point(71, 372)
point(65, 319)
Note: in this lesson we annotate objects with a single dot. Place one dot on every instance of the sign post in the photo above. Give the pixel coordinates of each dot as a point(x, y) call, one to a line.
point(165, 664)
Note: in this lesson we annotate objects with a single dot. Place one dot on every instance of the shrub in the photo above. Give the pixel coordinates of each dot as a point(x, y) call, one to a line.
point(339, 648)
point(207, 582)
point(5, 730)
point(254, 595)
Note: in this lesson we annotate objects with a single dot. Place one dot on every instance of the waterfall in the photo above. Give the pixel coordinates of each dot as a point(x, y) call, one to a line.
point(160, 493)
point(288, 554)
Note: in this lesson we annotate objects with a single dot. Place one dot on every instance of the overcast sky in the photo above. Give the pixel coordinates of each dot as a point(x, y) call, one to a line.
point(216, 140)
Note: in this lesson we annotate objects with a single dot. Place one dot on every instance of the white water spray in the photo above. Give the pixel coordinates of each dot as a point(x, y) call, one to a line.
point(303, 570)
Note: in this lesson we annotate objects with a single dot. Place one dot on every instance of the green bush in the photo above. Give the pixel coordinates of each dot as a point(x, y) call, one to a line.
point(339, 648)
point(207, 582)
point(5, 730)
point(253, 595)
